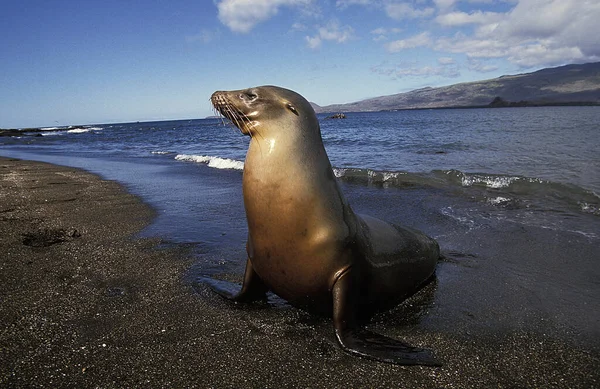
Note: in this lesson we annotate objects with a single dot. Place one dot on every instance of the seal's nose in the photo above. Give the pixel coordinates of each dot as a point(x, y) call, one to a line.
point(217, 99)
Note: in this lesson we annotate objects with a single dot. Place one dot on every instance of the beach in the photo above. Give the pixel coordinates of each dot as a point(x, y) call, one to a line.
point(86, 303)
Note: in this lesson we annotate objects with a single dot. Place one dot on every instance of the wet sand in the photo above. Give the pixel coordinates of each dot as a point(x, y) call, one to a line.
point(84, 303)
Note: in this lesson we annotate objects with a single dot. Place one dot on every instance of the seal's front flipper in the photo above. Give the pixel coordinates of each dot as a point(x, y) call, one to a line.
point(253, 288)
point(365, 343)
point(226, 289)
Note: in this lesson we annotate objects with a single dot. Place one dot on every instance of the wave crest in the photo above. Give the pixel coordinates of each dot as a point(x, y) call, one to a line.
point(214, 162)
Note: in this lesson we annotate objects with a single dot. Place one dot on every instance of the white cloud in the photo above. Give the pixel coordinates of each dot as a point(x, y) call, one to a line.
point(529, 33)
point(454, 19)
point(446, 61)
point(379, 31)
point(385, 31)
point(559, 24)
point(444, 4)
point(331, 32)
point(401, 11)
point(402, 70)
point(479, 66)
point(313, 42)
point(533, 33)
point(541, 54)
point(243, 15)
point(422, 39)
point(298, 27)
point(345, 3)
point(381, 34)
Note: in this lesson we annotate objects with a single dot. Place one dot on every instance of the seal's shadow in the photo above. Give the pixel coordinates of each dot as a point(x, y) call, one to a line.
point(204, 286)
point(274, 317)
point(409, 312)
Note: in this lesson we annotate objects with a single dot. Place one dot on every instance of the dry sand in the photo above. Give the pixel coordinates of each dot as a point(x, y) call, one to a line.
point(85, 304)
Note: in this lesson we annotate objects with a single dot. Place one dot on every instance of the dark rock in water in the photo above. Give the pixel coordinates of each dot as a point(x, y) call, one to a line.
point(499, 102)
point(47, 237)
point(37, 131)
point(10, 132)
point(337, 116)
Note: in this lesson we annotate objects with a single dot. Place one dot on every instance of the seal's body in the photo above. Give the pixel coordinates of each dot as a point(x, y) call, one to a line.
point(304, 241)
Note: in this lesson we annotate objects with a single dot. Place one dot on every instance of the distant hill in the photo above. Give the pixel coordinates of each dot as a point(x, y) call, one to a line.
point(560, 85)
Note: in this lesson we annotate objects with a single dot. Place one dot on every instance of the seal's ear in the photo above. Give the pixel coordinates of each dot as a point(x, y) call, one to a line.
point(292, 108)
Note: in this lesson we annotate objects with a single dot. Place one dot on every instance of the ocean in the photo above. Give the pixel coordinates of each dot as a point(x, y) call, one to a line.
point(512, 195)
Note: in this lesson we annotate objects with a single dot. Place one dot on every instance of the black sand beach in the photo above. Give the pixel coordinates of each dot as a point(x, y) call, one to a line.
point(86, 304)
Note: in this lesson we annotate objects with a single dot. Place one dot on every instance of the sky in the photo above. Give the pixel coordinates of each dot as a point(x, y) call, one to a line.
point(84, 62)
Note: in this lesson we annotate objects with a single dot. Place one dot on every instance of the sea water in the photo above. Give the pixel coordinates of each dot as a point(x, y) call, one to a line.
point(512, 195)
point(543, 159)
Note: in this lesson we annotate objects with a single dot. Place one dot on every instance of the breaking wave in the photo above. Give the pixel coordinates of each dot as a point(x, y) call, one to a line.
point(214, 162)
point(53, 131)
point(496, 190)
point(506, 191)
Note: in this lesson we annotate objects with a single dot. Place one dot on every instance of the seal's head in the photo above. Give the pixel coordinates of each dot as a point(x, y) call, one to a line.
point(249, 109)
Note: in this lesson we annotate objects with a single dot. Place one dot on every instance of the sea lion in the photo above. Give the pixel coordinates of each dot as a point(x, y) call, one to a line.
point(305, 243)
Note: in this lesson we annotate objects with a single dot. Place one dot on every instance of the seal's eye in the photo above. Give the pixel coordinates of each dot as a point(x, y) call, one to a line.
point(292, 108)
point(248, 96)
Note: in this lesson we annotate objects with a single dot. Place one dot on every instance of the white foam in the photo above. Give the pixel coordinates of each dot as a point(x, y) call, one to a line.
point(79, 130)
point(69, 130)
point(589, 208)
point(390, 176)
point(375, 175)
point(381, 175)
point(494, 182)
point(452, 213)
point(339, 172)
point(499, 200)
point(161, 152)
point(214, 162)
point(53, 133)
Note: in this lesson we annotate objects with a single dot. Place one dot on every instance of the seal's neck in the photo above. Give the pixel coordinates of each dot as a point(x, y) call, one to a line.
point(289, 186)
point(289, 166)
point(285, 157)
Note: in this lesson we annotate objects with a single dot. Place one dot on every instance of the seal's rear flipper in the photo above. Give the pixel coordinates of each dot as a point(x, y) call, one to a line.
point(365, 343)
point(370, 345)
point(253, 288)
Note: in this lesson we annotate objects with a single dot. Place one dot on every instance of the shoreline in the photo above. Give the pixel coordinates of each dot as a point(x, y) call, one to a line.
point(85, 303)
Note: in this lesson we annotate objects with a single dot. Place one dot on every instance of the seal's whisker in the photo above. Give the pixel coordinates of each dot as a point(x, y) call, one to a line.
point(247, 123)
point(225, 110)
point(219, 114)
point(214, 102)
point(243, 120)
point(230, 123)
point(234, 116)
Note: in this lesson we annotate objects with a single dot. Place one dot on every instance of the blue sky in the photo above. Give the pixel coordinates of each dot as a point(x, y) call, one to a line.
point(81, 62)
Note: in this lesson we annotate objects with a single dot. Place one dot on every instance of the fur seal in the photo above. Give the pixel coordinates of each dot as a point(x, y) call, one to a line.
point(305, 243)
